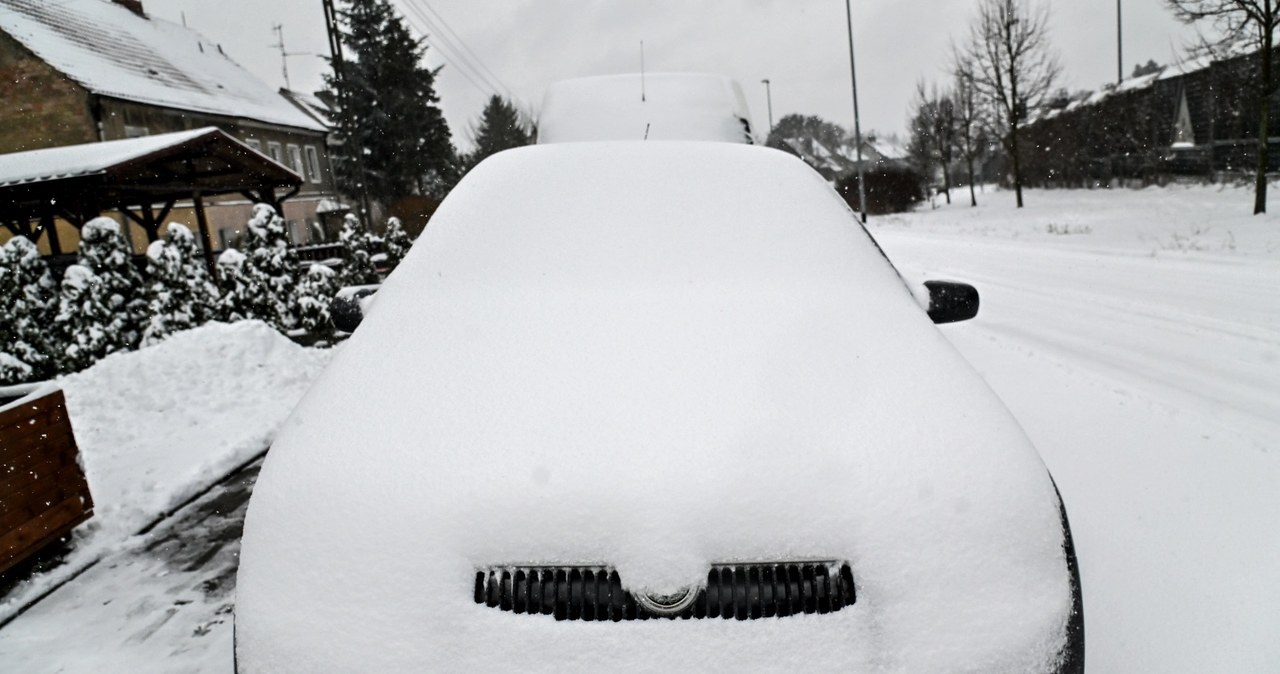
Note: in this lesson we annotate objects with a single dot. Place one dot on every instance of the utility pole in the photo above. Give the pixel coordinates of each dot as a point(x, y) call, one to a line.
point(857, 122)
point(335, 37)
point(768, 96)
point(1119, 46)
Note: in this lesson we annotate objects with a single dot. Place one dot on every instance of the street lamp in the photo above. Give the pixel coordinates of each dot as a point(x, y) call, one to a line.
point(857, 122)
point(768, 95)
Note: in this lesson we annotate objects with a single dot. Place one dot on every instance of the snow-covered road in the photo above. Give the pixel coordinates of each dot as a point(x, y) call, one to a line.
point(1149, 379)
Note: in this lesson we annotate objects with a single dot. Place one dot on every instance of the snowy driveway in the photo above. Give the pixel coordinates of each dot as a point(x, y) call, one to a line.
point(161, 605)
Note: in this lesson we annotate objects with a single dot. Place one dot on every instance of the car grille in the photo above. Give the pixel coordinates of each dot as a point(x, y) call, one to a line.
point(732, 591)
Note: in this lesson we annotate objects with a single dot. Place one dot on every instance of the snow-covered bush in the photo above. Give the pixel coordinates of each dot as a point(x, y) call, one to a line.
point(357, 253)
point(28, 299)
point(270, 269)
point(315, 292)
point(397, 243)
point(83, 326)
point(234, 300)
point(104, 251)
point(179, 293)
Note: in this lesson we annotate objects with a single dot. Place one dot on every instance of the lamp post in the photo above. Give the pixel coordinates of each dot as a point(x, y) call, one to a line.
point(1119, 46)
point(857, 122)
point(768, 96)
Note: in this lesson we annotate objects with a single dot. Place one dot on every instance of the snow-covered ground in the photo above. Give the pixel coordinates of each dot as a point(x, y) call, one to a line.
point(157, 426)
point(1134, 334)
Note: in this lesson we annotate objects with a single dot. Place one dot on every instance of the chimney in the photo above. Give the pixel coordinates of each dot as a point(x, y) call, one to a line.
point(134, 6)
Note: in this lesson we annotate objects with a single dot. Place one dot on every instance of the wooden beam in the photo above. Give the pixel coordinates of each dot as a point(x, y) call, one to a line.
point(50, 226)
point(205, 238)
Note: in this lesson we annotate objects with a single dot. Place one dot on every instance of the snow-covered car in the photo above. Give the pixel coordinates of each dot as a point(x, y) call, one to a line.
point(634, 406)
point(652, 106)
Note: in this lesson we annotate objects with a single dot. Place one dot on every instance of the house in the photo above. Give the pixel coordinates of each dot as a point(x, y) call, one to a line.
point(100, 70)
point(1197, 118)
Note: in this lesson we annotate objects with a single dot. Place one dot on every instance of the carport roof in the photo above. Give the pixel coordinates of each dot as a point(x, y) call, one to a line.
point(140, 170)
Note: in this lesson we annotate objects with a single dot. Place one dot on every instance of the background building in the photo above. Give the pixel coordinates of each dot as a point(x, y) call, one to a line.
point(98, 70)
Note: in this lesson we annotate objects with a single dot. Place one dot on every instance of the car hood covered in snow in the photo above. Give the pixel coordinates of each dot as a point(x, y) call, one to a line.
point(654, 357)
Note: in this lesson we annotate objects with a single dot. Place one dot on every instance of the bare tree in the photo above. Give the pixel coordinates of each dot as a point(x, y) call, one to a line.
point(968, 118)
point(1243, 26)
point(1013, 64)
point(933, 134)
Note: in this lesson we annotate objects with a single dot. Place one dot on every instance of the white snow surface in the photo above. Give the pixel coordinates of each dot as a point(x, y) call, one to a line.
point(158, 425)
point(655, 356)
point(113, 52)
point(1135, 334)
point(675, 106)
point(87, 159)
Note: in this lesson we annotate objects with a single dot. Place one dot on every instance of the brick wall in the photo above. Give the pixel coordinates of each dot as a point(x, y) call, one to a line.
point(42, 108)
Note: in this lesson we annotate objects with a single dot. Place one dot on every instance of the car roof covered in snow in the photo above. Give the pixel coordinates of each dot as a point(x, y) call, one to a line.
point(111, 51)
point(654, 356)
point(653, 106)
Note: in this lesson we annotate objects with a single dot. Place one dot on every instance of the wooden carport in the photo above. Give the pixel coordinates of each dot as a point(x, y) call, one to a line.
point(140, 177)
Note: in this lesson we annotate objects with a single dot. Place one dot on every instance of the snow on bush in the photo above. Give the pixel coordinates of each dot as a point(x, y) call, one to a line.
point(235, 302)
point(269, 269)
point(357, 253)
point(397, 243)
point(158, 425)
point(28, 300)
point(315, 292)
point(104, 251)
point(179, 295)
point(83, 326)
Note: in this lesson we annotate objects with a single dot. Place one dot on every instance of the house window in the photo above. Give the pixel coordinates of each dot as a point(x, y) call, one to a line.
point(131, 131)
point(255, 144)
point(313, 163)
point(276, 151)
point(295, 159)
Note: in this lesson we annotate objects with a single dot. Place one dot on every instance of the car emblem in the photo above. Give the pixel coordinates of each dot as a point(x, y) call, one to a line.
point(666, 605)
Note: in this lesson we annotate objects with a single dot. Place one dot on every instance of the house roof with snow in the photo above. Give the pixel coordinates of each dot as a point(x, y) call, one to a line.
point(113, 51)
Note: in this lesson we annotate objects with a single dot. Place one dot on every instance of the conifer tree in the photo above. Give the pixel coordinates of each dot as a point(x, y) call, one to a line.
point(500, 128)
point(104, 251)
point(82, 327)
point(235, 302)
point(387, 110)
point(315, 292)
point(28, 300)
point(357, 253)
point(396, 241)
point(270, 269)
point(179, 295)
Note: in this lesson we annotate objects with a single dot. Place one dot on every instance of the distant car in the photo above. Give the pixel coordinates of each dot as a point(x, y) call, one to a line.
point(654, 407)
point(653, 106)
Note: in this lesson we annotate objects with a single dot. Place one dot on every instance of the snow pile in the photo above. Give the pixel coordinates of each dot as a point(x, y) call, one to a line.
point(655, 356)
point(675, 106)
point(158, 425)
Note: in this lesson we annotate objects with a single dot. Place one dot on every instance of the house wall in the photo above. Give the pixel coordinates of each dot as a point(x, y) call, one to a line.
point(41, 107)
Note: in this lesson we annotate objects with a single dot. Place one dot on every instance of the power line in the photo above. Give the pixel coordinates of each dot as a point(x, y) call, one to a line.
point(448, 55)
point(462, 42)
point(457, 49)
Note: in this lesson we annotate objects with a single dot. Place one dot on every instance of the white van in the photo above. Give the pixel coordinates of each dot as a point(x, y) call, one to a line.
point(653, 106)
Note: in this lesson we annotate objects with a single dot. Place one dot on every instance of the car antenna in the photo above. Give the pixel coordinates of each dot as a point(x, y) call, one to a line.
point(646, 132)
point(642, 97)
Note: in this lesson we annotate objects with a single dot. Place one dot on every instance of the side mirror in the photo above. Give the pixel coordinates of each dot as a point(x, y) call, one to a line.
point(950, 302)
point(346, 310)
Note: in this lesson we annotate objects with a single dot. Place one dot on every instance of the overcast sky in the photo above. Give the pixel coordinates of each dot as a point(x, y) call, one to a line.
point(800, 45)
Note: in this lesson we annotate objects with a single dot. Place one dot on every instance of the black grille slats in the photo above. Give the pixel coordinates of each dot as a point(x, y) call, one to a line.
point(732, 592)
